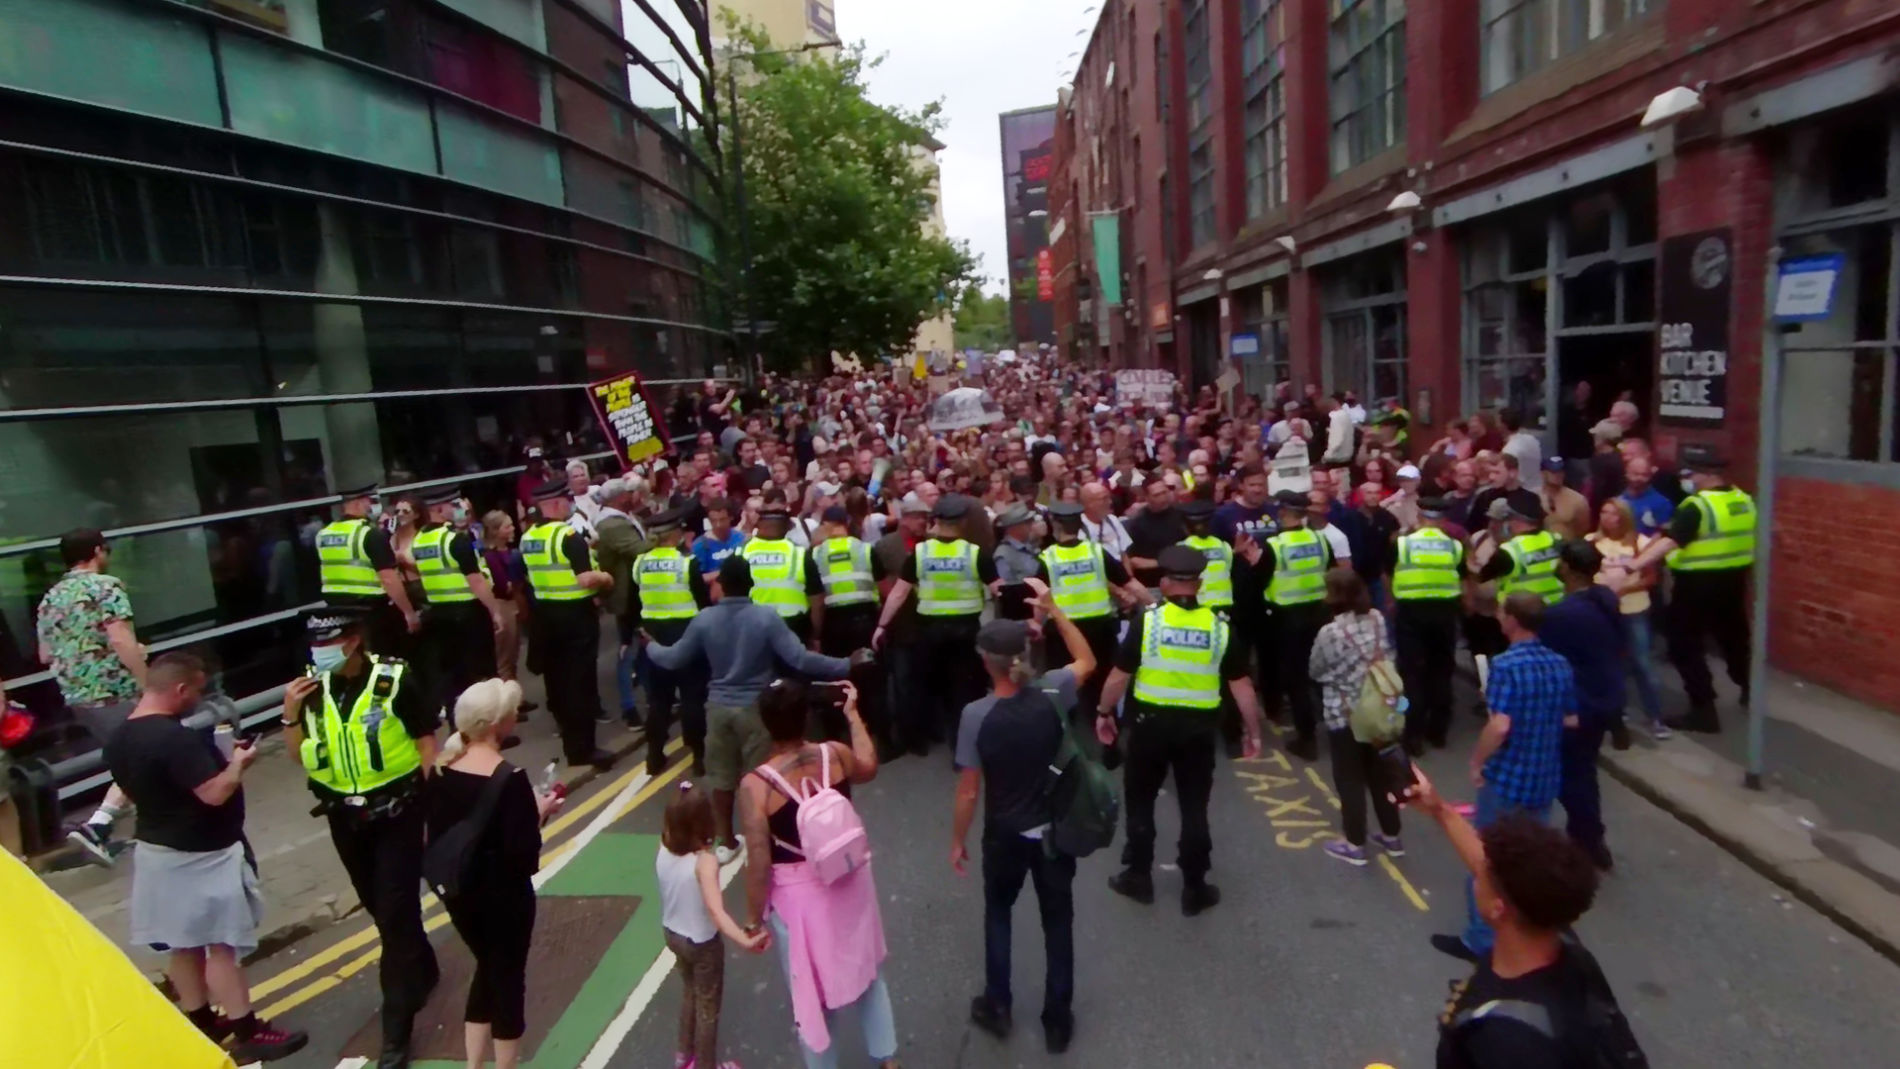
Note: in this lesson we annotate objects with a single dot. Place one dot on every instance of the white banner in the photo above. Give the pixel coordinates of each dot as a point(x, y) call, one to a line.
point(1146, 385)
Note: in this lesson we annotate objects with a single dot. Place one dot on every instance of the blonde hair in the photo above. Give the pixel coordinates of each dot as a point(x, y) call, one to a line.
point(481, 708)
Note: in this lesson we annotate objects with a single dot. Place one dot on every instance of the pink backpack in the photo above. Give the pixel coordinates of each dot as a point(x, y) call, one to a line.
point(833, 835)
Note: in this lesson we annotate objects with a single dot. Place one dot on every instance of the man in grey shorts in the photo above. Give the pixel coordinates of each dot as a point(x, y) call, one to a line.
point(746, 644)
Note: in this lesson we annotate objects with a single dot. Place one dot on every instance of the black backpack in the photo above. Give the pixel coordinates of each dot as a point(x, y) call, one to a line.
point(449, 858)
point(1606, 1042)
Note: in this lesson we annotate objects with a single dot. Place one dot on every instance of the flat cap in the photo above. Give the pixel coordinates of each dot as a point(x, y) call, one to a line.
point(1005, 638)
point(1181, 562)
point(1499, 509)
point(1014, 516)
point(911, 505)
point(326, 623)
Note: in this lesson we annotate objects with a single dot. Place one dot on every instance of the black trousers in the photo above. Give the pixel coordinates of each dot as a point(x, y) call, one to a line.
point(946, 675)
point(667, 689)
point(1709, 605)
point(1100, 631)
point(383, 856)
point(1580, 791)
point(1428, 655)
point(1008, 860)
point(568, 635)
point(1182, 742)
point(498, 926)
point(846, 631)
point(1356, 773)
point(1255, 628)
point(1295, 627)
point(456, 649)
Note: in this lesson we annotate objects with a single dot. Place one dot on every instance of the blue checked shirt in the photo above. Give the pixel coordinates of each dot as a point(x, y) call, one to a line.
point(1534, 686)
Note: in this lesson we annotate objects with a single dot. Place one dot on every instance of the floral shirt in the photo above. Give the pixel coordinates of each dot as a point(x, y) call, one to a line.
point(72, 630)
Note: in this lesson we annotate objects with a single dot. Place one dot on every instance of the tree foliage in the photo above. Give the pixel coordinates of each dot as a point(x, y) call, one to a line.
point(838, 202)
point(982, 320)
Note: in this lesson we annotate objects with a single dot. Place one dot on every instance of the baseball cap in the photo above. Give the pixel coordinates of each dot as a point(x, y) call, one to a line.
point(913, 505)
point(1553, 464)
point(1408, 471)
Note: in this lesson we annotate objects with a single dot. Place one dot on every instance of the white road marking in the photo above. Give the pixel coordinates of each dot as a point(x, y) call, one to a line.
point(643, 992)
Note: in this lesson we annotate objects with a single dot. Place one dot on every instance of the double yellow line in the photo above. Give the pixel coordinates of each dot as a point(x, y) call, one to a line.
point(434, 916)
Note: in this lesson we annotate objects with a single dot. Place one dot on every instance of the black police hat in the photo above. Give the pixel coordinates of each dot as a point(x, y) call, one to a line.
point(1066, 510)
point(1181, 562)
point(443, 496)
point(1291, 499)
point(1198, 511)
point(836, 514)
point(354, 492)
point(553, 488)
point(1433, 506)
point(667, 520)
point(951, 507)
point(326, 623)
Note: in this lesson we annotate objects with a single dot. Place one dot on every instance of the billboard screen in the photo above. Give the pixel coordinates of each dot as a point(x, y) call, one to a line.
point(1029, 139)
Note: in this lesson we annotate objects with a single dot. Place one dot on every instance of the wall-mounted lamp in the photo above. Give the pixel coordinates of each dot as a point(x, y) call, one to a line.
point(1672, 104)
point(1285, 241)
point(1405, 202)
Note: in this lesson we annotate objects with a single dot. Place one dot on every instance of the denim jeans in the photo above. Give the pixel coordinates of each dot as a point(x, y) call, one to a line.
point(1491, 809)
point(1007, 860)
point(1639, 633)
point(1581, 794)
point(873, 1009)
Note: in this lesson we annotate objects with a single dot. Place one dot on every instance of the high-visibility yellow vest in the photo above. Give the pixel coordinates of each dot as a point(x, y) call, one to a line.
point(947, 580)
point(1181, 651)
point(1429, 566)
point(1533, 567)
point(1299, 567)
point(442, 579)
point(368, 749)
point(778, 575)
point(844, 566)
point(1078, 578)
point(663, 575)
point(549, 573)
point(1217, 582)
point(343, 562)
point(1726, 538)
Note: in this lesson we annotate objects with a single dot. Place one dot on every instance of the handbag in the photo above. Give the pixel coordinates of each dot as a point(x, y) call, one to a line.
point(449, 858)
point(1378, 713)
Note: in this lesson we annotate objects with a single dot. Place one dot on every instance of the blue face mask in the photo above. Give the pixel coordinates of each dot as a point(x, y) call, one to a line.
point(328, 658)
point(459, 515)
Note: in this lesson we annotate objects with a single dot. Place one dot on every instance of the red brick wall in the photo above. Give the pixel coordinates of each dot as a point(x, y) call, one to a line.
point(1833, 616)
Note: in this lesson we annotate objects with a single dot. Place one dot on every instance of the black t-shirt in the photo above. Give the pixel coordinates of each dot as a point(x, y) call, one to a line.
point(382, 556)
point(1150, 533)
point(1686, 525)
point(1499, 1042)
point(1016, 742)
point(160, 762)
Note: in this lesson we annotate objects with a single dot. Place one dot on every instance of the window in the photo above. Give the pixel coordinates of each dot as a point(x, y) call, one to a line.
point(1520, 36)
point(1200, 93)
point(1367, 63)
point(1263, 63)
point(1364, 303)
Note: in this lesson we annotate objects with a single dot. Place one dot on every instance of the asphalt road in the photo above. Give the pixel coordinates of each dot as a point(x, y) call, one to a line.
point(1306, 963)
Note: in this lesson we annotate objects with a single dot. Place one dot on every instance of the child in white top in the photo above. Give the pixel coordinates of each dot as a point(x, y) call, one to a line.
point(693, 914)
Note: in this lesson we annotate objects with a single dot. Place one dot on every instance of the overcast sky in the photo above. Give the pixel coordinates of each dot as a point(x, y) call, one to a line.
point(980, 58)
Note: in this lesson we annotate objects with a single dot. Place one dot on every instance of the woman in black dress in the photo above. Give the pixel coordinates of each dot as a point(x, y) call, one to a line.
point(494, 913)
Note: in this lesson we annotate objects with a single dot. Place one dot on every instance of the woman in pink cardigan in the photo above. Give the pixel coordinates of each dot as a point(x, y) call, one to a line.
point(830, 936)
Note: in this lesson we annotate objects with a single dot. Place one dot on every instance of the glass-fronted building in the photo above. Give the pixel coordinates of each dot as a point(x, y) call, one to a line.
point(252, 251)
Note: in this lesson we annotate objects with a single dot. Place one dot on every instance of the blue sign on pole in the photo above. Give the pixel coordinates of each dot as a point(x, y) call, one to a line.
point(1805, 285)
point(1244, 344)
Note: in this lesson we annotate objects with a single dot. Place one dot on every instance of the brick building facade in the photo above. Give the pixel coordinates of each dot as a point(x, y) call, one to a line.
point(1251, 152)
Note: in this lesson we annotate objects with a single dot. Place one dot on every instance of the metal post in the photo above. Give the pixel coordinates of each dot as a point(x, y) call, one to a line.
point(1768, 447)
point(745, 223)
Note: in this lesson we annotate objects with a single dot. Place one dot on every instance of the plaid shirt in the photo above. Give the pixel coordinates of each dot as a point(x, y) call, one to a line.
point(1534, 686)
point(1342, 653)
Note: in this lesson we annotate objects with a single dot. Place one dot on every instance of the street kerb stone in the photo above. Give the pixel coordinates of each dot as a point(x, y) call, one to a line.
point(568, 946)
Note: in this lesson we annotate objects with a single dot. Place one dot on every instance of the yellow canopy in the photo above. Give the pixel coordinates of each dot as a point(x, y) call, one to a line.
point(69, 999)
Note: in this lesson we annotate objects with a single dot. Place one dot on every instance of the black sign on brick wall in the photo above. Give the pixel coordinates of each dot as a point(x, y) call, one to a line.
point(1692, 351)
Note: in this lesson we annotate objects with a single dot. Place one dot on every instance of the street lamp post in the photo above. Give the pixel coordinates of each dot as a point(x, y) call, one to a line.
point(738, 187)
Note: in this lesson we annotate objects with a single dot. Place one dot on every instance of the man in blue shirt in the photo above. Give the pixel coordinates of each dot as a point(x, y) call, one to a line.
point(720, 541)
point(1517, 765)
point(1648, 504)
point(1586, 629)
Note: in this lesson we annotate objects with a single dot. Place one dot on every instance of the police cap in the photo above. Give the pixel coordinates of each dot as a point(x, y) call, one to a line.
point(1525, 508)
point(1292, 499)
point(1198, 511)
point(776, 511)
point(327, 623)
point(1181, 562)
point(951, 507)
point(1433, 506)
point(1066, 510)
point(836, 514)
point(553, 488)
point(1015, 516)
point(669, 520)
point(445, 495)
point(351, 493)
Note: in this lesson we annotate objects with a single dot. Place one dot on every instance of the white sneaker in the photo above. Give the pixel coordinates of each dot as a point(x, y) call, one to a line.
point(727, 853)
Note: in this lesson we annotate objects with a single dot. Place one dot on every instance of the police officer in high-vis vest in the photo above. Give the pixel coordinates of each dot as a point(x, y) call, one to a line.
point(845, 617)
point(357, 566)
point(457, 645)
point(564, 622)
point(1710, 549)
point(363, 731)
point(1428, 587)
point(1527, 561)
point(949, 577)
point(779, 576)
point(1292, 568)
point(1090, 585)
point(667, 593)
point(1217, 582)
point(1177, 656)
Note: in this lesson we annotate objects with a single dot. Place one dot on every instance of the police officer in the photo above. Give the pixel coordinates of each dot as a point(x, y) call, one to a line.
point(363, 731)
point(667, 592)
point(357, 566)
point(1086, 582)
point(564, 624)
point(457, 645)
point(949, 577)
point(1015, 561)
point(779, 576)
point(1293, 567)
point(1427, 585)
point(846, 616)
point(1177, 656)
point(1217, 582)
point(1527, 561)
point(1710, 549)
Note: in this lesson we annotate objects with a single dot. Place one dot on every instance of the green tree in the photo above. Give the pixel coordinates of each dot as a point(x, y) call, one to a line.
point(837, 201)
point(982, 319)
